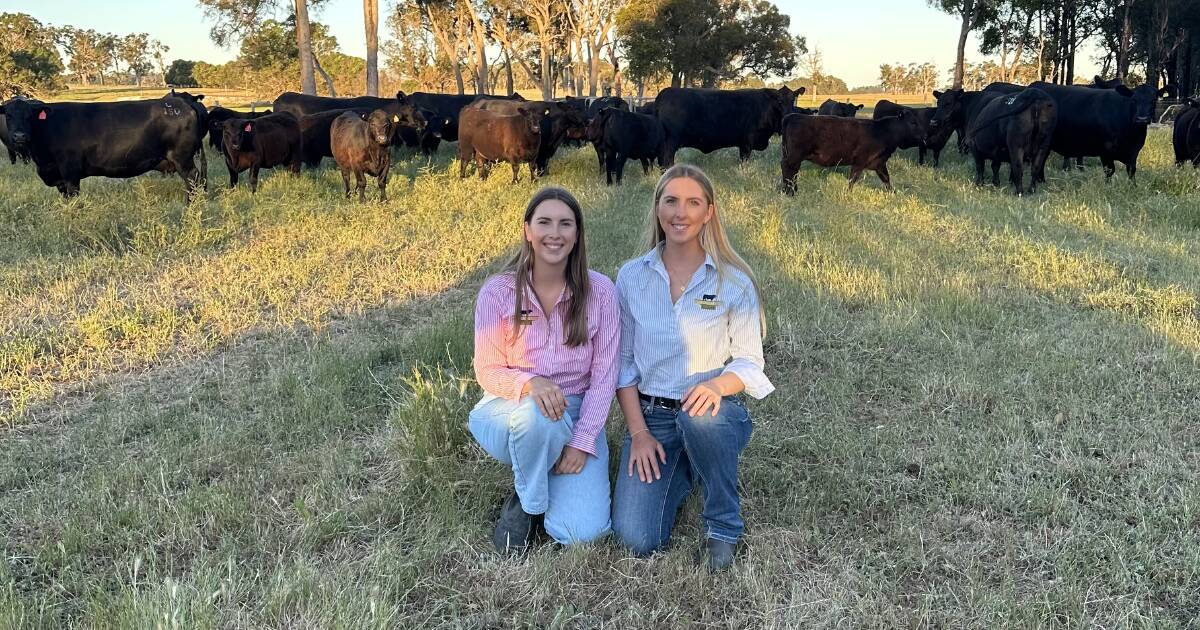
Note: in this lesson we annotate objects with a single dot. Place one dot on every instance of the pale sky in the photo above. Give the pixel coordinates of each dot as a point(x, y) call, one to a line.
point(855, 37)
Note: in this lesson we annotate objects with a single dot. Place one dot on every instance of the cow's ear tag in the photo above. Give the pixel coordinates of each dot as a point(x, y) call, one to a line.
point(395, 118)
point(42, 115)
point(547, 112)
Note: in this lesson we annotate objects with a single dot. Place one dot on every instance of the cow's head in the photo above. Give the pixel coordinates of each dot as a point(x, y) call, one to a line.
point(789, 95)
point(950, 107)
point(194, 98)
point(1106, 84)
point(381, 125)
point(22, 116)
point(914, 126)
point(434, 124)
point(401, 96)
point(516, 97)
point(1145, 99)
point(573, 121)
point(533, 119)
point(238, 134)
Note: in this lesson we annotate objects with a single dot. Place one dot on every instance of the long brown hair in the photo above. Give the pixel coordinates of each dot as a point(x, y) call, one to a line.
point(579, 288)
point(713, 238)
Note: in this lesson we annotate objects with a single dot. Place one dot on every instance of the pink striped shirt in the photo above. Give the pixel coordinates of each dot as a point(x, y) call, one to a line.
point(504, 362)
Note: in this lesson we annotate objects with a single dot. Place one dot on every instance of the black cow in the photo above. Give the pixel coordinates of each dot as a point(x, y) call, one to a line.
point(314, 134)
point(1185, 136)
point(649, 108)
point(1015, 128)
point(934, 141)
point(1106, 84)
point(486, 136)
point(71, 141)
point(1003, 87)
point(625, 135)
point(1110, 124)
point(447, 107)
point(956, 110)
point(13, 154)
point(360, 146)
point(427, 140)
point(708, 120)
point(837, 141)
point(217, 117)
point(266, 142)
point(301, 105)
point(833, 108)
point(558, 121)
point(196, 101)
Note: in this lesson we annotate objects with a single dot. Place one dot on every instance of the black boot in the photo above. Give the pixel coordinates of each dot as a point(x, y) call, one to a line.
point(514, 528)
point(720, 554)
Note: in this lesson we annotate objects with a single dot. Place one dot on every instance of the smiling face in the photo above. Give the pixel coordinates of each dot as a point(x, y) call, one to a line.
point(551, 232)
point(683, 209)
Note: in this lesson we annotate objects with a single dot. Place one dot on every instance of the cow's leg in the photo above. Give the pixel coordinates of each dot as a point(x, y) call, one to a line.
point(996, 173)
point(1109, 167)
point(346, 180)
point(531, 175)
point(360, 184)
point(787, 176)
point(855, 175)
point(462, 164)
point(1016, 171)
point(645, 166)
point(979, 164)
point(1131, 169)
point(233, 175)
point(937, 157)
point(254, 178)
point(885, 176)
point(600, 157)
point(668, 153)
point(383, 181)
point(621, 158)
point(921, 155)
point(743, 154)
point(1079, 163)
point(480, 166)
point(12, 156)
point(516, 167)
point(610, 166)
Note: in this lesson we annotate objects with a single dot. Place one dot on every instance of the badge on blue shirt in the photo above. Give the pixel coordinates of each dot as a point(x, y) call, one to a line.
point(527, 316)
point(707, 302)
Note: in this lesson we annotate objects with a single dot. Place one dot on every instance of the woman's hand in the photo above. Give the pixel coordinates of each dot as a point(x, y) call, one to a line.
point(644, 456)
point(699, 398)
point(571, 461)
point(548, 396)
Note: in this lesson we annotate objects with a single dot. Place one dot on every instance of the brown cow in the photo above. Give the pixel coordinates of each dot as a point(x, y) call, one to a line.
point(267, 142)
point(360, 146)
point(835, 141)
point(486, 136)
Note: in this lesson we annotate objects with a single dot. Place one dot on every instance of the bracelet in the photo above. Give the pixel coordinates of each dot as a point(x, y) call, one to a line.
point(635, 433)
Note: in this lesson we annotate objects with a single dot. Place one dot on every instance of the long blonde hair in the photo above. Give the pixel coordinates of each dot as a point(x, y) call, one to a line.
point(578, 286)
point(713, 238)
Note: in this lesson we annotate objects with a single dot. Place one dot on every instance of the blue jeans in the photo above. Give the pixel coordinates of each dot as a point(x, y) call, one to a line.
point(517, 434)
point(704, 449)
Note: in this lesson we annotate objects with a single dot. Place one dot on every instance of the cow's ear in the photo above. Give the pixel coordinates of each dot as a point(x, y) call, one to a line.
point(801, 90)
point(1123, 91)
point(937, 94)
point(199, 97)
point(1097, 80)
point(857, 107)
point(400, 96)
point(1166, 91)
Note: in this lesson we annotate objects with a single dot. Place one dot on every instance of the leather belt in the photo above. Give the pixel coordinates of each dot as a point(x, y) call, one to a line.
point(659, 401)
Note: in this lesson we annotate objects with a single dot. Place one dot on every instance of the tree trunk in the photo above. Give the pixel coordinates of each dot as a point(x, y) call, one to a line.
point(371, 23)
point(968, 13)
point(508, 73)
point(1072, 21)
point(478, 33)
point(1125, 43)
point(324, 77)
point(547, 73)
point(458, 78)
point(593, 67)
point(308, 82)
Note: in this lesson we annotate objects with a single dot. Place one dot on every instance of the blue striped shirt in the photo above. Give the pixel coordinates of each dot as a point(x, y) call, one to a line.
point(668, 348)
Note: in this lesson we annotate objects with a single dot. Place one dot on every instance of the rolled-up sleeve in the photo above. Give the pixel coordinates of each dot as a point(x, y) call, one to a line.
point(745, 345)
point(628, 374)
point(492, 371)
point(593, 411)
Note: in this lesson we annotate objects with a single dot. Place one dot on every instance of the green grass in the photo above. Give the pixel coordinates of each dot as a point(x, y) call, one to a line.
point(250, 411)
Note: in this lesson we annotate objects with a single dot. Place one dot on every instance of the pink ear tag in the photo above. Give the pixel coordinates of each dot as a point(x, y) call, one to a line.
point(42, 115)
point(247, 128)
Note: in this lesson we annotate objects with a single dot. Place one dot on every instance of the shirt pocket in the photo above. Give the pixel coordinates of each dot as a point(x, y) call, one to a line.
point(705, 334)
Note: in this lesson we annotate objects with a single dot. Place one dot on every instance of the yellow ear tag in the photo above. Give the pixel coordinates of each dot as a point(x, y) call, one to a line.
point(546, 113)
point(395, 118)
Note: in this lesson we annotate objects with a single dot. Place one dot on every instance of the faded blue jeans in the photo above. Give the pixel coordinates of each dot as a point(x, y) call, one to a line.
point(517, 434)
point(702, 449)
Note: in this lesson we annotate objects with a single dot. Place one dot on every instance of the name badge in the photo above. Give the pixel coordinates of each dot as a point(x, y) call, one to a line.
point(527, 316)
point(707, 302)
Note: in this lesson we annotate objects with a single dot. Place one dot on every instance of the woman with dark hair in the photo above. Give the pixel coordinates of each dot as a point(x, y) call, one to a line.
point(546, 340)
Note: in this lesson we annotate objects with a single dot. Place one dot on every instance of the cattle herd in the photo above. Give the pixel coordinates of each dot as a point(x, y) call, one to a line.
point(1003, 123)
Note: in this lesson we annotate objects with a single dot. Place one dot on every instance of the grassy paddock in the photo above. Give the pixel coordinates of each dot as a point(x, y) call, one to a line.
point(250, 411)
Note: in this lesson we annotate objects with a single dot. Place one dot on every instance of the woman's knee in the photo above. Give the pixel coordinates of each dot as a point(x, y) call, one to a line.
point(528, 418)
point(635, 535)
point(579, 529)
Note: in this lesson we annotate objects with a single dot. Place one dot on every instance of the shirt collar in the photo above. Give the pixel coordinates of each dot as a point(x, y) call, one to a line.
point(653, 258)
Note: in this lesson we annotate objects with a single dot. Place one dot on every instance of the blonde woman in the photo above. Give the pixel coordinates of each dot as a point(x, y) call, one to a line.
point(546, 331)
point(691, 341)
